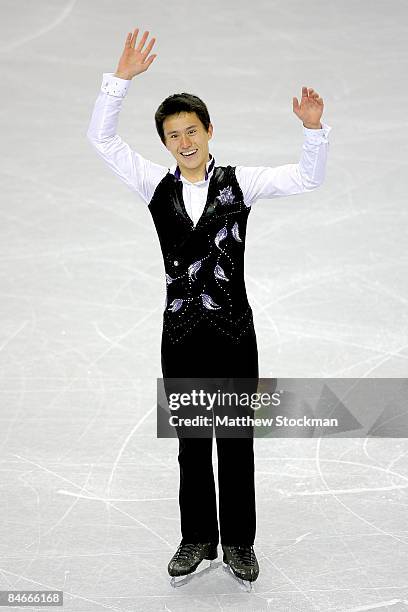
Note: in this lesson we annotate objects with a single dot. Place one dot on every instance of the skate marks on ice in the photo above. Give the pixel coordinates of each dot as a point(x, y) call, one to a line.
point(20, 42)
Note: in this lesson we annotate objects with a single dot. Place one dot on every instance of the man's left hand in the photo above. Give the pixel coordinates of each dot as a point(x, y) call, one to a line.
point(310, 108)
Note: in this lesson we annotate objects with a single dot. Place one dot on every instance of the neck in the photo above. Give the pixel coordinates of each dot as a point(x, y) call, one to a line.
point(195, 175)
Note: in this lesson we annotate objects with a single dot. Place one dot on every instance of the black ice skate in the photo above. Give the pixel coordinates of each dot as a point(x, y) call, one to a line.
point(188, 557)
point(242, 562)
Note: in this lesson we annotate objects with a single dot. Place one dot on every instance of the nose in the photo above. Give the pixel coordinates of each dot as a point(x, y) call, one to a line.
point(185, 141)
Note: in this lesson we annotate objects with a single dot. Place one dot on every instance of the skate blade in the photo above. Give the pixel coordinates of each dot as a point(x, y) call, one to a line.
point(245, 585)
point(204, 567)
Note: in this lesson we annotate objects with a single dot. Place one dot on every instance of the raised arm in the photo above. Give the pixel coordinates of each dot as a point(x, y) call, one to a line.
point(264, 182)
point(140, 174)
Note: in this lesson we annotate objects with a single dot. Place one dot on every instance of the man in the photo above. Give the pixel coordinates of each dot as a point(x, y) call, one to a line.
point(200, 212)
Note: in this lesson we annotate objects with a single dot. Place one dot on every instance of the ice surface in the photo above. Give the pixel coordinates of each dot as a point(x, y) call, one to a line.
point(88, 493)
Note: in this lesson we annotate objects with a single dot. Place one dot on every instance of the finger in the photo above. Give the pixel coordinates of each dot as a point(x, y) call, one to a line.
point(304, 92)
point(128, 39)
point(149, 48)
point(142, 41)
point(133, 40)
point(150, 60)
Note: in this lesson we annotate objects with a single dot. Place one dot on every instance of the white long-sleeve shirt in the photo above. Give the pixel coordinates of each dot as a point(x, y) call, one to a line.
point(143, 176)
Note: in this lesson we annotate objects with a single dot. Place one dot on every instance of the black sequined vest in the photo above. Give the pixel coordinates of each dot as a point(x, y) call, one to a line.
point(204, 265)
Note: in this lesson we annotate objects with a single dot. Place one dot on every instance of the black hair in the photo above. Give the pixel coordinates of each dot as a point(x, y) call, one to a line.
point(181, 103)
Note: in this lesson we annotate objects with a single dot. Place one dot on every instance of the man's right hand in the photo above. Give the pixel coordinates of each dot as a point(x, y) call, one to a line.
point(135, 60)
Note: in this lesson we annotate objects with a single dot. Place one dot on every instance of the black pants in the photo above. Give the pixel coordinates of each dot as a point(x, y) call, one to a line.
point(208, 353)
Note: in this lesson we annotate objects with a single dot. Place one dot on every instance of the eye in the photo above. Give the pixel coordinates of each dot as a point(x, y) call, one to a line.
point(192, 131)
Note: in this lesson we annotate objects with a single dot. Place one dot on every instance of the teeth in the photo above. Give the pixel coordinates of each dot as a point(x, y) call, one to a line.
point(189, 153)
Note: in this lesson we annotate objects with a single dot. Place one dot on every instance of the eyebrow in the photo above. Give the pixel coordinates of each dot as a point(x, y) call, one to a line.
point(187, 128)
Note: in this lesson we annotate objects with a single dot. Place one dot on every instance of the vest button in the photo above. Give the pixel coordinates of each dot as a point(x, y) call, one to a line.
point(176, 262)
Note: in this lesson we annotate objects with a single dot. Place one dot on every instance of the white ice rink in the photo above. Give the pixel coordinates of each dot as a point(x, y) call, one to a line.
point(88, 494)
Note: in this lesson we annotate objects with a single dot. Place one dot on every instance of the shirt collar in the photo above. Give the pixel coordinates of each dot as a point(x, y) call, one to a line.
point(209, 167)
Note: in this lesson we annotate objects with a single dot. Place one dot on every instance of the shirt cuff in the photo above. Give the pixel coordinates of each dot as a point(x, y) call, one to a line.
point(114, 86)
point(317, 136)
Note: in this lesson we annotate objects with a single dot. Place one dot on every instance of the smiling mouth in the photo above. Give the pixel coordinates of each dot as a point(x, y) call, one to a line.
point(190, 154)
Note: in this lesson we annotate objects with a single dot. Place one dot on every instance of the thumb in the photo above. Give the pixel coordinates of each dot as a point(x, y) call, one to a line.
point(295, 104)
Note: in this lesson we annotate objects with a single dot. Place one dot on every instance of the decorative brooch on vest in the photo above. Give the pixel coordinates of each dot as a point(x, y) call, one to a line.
point(225, 196)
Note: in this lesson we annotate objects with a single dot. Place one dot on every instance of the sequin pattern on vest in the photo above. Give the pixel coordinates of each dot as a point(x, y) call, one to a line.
point(204, 264)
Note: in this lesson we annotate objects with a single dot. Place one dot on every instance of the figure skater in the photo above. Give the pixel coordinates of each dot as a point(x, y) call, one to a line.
point(200, 212)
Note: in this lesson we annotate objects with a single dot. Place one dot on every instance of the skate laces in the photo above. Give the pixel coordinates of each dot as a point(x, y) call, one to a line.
point(185, 550)
point(244, 554)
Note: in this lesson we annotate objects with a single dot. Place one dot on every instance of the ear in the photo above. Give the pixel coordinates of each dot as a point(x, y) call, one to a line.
point(210, 131)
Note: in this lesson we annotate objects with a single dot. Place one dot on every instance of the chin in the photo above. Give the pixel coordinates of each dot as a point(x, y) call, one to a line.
point(192, 165)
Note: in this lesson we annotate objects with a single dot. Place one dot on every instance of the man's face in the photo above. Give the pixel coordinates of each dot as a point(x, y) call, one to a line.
point(184, 133)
